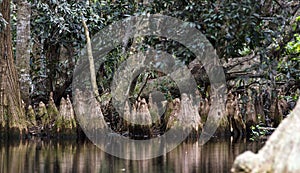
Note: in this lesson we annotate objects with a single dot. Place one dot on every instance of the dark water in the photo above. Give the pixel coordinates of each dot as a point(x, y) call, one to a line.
point(66, 156)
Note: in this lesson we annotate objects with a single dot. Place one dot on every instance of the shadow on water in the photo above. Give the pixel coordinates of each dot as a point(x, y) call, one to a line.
point(71, 156)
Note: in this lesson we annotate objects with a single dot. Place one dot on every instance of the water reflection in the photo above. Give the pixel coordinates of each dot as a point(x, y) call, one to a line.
point(66, 156)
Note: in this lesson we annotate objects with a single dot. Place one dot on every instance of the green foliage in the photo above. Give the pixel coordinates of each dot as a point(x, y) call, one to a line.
point(229, 25)
point(60, 21)
point(258, 130)
point(235, 28)
point(293, 47)
point(256, 133)
point(289, 66)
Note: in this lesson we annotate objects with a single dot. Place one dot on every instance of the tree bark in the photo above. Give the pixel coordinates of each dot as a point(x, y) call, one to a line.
point(11, 112)
point(281, 152)
point(91, 62)
point(23, 49)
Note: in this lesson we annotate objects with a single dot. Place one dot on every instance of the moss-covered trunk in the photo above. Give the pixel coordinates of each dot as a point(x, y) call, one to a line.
point(11, 110)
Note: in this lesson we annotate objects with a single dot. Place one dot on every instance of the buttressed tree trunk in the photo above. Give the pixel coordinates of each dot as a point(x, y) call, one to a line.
point(281, 153)
point(11, 112)
point(23, 49)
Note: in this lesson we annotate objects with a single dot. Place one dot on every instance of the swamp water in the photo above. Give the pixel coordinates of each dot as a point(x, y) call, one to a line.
point(72, 157)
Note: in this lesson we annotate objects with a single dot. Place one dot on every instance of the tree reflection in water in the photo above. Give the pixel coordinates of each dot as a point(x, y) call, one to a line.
point(66, 156)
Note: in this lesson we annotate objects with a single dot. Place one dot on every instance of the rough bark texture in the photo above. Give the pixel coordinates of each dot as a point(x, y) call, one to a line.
point(281, 153)
point(23, 49)
point(38, 75)
point(276, 113)
point(43, 116)
point(155, 110)
point(251, 116)
point(65, 122)
point(259, 109)
point(50, 121)
point(182, 114)
point(88, 111)
point(204, 108)
point(91, 62)
point(237, 125)
point(31, 117)
point(11, 112)
point(52, 109)
point(141, 115)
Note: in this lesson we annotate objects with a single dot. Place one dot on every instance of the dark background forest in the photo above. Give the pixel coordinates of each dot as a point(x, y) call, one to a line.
point(257, 42)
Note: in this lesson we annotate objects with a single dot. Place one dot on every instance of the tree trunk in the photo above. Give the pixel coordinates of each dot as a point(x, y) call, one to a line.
point(11, 112)
point(281, 152)
point(23, 49)
point(91, 62)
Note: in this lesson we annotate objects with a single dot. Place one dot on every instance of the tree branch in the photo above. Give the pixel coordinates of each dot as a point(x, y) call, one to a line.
point(248, 58)
point(91, 62)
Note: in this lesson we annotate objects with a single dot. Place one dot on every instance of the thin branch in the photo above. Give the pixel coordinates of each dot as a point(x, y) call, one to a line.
point(228, 68)
point(277, 2)
point(91, 62)
point(141, 90)
point(245, 74)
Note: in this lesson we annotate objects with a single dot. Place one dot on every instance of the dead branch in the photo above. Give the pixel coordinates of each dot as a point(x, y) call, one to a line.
point(91, 62)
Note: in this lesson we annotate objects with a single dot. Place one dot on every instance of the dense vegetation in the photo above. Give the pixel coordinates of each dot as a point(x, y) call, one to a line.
point(257, 41)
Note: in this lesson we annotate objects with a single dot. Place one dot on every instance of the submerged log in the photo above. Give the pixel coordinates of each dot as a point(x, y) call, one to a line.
point(281, 152)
